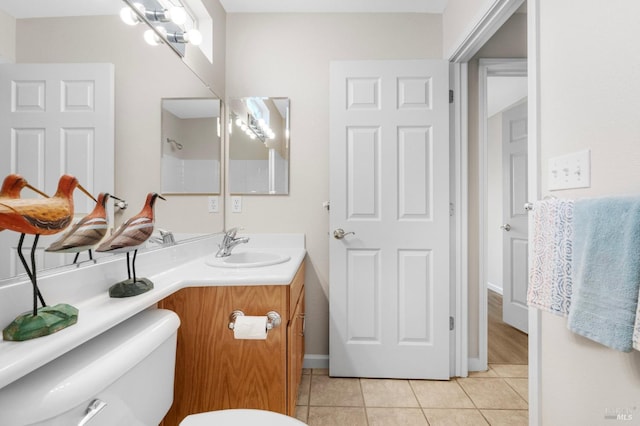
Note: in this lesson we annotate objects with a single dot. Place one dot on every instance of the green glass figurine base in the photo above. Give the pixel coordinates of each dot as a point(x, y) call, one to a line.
point(129, 288)
point(49, 320)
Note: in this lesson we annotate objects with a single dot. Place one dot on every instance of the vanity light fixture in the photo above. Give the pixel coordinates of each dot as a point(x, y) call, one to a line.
point(192, 36)
point(174, 14)
point(171, 22)
point(255, 128)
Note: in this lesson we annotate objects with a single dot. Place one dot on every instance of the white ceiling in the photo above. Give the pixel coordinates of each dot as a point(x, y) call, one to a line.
point(424, 6)
point(192, 108)
point(43, 8)
point(52, 8)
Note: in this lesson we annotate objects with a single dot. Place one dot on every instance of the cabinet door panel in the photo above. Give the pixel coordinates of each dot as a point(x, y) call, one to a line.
point(295, 354)
point(215, 371)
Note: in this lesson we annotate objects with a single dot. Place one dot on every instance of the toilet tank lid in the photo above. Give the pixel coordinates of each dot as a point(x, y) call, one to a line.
point(71, 379)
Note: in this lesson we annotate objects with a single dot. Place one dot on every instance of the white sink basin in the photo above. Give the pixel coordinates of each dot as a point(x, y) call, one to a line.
point(248, 259)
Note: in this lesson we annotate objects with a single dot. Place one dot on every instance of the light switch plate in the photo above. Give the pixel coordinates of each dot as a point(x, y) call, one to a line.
point(570, 171)
point(213, 204)
point(236, 204)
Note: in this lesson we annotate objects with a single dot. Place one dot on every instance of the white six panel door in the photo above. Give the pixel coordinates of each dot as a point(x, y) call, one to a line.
point(389, 184)
point(515, 311)
point(55, 119)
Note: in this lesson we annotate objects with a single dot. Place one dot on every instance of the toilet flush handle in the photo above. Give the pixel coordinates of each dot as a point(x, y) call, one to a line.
point(94, 408)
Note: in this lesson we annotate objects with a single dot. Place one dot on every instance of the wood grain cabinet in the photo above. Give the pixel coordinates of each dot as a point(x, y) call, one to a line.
point(214, 371)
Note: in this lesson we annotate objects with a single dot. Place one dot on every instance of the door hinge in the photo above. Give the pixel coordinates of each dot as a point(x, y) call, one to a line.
point(451, 323)
point(452, 209)
point(450, 96)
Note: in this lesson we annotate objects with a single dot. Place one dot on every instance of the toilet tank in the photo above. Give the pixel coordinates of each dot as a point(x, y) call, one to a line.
point(129, 368)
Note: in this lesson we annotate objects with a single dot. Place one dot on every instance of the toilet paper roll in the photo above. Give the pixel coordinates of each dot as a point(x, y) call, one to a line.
point(252, 328)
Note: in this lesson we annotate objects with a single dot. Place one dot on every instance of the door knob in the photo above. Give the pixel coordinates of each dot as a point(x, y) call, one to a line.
point(339, 233)
point(506, 227)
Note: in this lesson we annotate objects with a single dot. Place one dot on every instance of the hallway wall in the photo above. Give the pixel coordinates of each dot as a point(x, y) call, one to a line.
point(590, 99)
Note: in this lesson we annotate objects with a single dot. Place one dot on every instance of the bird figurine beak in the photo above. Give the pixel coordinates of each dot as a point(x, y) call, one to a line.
point(34, 189)
point(161, 197)
point(80, 187)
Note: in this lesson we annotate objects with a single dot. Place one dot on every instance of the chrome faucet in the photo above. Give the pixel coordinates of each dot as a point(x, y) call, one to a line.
point(229, 241)
point(165, 238)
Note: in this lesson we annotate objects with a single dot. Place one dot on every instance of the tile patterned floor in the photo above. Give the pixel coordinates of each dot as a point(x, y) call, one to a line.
point(495, 397)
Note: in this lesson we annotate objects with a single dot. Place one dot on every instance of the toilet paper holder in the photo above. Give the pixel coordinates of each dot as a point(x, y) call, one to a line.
point(273, 319)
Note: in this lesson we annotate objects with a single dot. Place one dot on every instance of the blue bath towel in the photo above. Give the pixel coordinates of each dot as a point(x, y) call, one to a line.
point(606, 270)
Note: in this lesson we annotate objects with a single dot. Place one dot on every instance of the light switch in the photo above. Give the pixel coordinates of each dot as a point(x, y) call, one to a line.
point(570, 171)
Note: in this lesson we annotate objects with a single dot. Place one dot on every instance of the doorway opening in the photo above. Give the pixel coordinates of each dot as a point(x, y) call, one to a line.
point(503, 232)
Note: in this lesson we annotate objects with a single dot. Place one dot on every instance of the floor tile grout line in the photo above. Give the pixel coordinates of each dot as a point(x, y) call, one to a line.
point(364, 403)
point(515, 390)
point(415, 395)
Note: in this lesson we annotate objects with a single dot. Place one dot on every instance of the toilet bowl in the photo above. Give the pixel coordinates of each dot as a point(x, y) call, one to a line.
point(240, 417)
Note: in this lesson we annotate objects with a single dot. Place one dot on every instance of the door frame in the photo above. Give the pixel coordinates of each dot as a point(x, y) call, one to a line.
point(479, 32)
point(493, 67)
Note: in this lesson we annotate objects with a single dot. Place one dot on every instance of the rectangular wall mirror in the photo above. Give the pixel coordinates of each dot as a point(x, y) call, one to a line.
point(190, 142)
point(259, 146)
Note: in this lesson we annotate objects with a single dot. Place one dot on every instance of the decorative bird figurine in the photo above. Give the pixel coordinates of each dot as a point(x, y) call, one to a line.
point(37, 216)
point(129, 237)
point(13, 184)
point(87, 233)
point(40, 217)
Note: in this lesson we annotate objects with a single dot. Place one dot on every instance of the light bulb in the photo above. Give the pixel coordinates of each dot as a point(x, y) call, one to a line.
point(252, 136)
point(152, 38)
point(243, 127)
point(129, 17)
point(177, 15)
point(193, 36)
point(261, 122)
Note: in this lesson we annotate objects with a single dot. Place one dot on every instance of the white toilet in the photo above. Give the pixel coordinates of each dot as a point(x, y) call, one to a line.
point(240, 417)
point(124, 377)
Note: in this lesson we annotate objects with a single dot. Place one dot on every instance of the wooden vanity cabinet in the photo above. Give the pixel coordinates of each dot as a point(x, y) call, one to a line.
point(214, 371)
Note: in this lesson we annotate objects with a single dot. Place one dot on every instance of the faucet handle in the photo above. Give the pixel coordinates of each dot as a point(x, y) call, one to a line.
point(231, 233)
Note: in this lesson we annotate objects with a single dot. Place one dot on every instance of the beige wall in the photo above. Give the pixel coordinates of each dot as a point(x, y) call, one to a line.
point(143, 76)
point(288, 55)
point(212, 73)
point(7, 38)
point(509, 42)
point(458, 19)
point(590, 98)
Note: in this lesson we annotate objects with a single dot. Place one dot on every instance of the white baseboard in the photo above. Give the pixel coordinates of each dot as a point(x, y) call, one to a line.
point(495, 288)
point(315, 361)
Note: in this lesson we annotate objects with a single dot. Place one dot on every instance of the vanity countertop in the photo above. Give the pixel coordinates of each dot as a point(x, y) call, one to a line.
point(170, 269)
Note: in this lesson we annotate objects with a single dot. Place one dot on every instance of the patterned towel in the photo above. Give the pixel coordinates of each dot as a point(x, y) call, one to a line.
point(606, 270)
point(636, 328)
point(550, 283)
